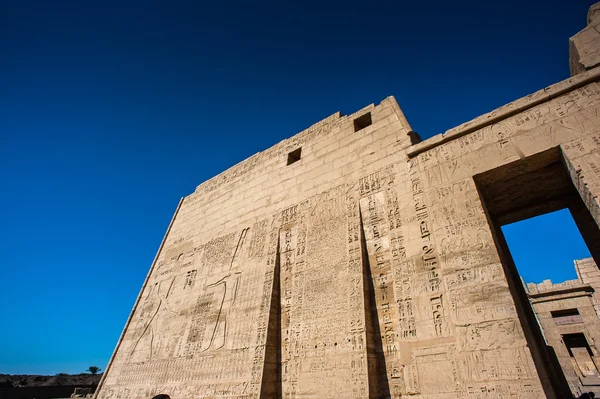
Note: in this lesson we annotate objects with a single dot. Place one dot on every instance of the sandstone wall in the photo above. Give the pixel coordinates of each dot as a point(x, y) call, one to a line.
point(567, 309)
point(367, 269)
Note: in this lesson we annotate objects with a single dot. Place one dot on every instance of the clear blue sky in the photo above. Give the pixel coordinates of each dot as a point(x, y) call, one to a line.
point(111, 111)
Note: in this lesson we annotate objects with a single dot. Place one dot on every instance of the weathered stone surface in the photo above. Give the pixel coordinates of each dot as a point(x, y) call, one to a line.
point(371, 267)
point(570, 308)
point(584, 47)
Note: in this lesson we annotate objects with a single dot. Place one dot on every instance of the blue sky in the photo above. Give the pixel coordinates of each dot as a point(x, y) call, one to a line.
point(544, 247)
point(111, 111)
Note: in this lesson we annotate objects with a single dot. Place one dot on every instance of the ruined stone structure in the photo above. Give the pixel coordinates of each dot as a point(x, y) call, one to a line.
point(354, 261)
point(569, 315)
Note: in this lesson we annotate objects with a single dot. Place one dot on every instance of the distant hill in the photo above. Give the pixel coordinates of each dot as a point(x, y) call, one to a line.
point(7, 380)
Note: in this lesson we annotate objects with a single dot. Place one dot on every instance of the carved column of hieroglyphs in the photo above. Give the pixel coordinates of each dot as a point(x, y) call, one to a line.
point(357, 312)
point(260, 344)
point(292, 254)
point(378, 247)
point(322, 327)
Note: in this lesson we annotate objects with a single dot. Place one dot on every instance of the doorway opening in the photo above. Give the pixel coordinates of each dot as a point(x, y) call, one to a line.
point(523, 191)
point(576, 341)
point(544, 247)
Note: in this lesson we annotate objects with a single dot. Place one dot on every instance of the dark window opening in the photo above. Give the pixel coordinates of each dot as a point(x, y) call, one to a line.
point(294, 156)
point(566, 316)
point(362, 122)
point(564, 313)
point(576, 340)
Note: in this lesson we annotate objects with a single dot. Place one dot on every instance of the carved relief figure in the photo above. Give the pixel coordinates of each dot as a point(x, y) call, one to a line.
point(224, 288)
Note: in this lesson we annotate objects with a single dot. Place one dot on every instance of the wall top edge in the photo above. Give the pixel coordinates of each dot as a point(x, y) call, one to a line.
point(508, 110)
point(290, 143)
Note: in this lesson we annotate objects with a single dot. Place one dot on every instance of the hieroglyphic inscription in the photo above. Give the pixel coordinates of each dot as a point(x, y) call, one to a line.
point(190, 279)
point(203, 324)
point(377, 238)
point(490, 335)
point(212, 283)
point(428, 255)
point(421, 305)
point(499, 364)
point(483, 302)
point(356, 311)
point(293, 250)
point(461, 227)
point(198, 324)
point(321, 290)
point(376, 181)
point(327, 298)
point(443, 358)
point(260, 343)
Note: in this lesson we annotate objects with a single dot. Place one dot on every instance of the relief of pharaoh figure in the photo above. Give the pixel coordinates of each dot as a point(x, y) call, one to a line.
point(222, 288)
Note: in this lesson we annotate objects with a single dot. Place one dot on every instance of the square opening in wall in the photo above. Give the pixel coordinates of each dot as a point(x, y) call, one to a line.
point(566, 316)
point(294, 156)
point(362, 122)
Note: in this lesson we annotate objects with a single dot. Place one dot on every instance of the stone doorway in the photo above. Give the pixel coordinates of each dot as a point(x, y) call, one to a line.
point(524, 189)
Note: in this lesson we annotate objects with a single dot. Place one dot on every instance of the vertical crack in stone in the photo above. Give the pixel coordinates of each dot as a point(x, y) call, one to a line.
point(377, 371)
point(271, 377)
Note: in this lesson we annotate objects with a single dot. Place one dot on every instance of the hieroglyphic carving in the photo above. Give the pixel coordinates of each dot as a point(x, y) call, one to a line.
point(461, 227)
point(256, 246)
point(377, 239)
point(567, 117)
point(411, 380)
point(473, 275)
point(443, 358)
point(437, 312)
point(260, 343)
point(198, 324)
point(219, 340)
point(227, 285)
point(293, 249)
point(490, 335)
point(494, 365)
point(204, 321)
point(315, 301)
point(483, 302)
point(407, 319)
point(356, 311)
point(375, 182)
point(421, 305)
point(428, 257)
point(327, 296)
point(490, 390)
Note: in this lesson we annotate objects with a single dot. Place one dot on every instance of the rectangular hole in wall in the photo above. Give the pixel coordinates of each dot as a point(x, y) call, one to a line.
point(564, 312)
point(566, 316)
point(294, 156)
point(362, 122)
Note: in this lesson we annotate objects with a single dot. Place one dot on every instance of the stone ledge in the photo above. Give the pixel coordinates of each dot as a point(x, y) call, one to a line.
point(563, 292)
point(508, 110)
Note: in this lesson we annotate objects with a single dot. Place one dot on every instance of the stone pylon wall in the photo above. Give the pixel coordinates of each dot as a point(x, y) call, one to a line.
point(366, 269)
